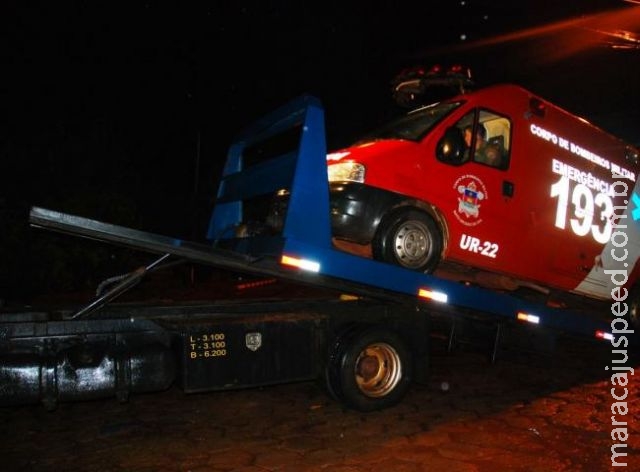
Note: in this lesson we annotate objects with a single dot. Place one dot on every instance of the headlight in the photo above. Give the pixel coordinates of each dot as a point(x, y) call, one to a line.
point(346, 171)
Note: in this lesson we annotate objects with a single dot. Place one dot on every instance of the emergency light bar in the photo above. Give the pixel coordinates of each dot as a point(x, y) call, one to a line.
point(304, 264)
point(528, 318)
point(433, 295)
point(410, 86)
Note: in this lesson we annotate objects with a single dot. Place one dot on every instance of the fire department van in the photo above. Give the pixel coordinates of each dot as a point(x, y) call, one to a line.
point(546, 200)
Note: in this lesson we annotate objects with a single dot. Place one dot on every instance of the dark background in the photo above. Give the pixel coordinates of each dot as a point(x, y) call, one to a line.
point(123, 112)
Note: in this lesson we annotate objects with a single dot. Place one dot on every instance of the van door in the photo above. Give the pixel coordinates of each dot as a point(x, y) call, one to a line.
point(484, 225)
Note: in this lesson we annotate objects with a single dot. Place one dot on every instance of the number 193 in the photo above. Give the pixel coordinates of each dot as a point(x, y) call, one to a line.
point(584, 205)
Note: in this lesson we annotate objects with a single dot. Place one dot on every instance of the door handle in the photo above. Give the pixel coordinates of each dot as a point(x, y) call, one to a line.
point(508, 188)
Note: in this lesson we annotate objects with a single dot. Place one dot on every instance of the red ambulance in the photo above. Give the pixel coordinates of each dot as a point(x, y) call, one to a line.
point(534, 197)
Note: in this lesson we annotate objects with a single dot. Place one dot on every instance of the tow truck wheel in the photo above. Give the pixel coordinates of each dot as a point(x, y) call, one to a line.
point(370, 369)
point(409, 238)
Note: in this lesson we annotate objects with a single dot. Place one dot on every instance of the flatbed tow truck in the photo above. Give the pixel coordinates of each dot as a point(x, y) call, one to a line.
point(367, 347)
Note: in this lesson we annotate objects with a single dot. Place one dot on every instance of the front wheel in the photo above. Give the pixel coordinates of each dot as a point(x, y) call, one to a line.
point(369, 369)
point(410, 239)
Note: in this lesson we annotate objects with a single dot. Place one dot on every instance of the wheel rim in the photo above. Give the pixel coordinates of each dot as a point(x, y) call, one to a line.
point(378, 370)
point(412, 244)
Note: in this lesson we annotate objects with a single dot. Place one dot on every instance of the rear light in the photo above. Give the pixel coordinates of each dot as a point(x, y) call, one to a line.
point(299, 263)
point(528, 318)
point(433, 295)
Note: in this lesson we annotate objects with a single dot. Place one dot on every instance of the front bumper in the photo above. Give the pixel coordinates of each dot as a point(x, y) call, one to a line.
point(357, 209)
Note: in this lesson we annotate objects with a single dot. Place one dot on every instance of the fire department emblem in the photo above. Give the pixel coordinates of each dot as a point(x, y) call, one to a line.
point(253, 341)
point(471, 191)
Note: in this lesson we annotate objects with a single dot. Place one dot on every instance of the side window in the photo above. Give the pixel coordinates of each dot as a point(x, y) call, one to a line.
point(493, 140)
point(486, 139)
point(498, 152)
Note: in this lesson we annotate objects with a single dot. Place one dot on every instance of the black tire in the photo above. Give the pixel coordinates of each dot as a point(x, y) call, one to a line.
point(369, 369)
point(408, 238)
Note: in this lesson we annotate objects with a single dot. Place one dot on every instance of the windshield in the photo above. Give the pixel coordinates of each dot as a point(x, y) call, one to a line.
point(414, 125)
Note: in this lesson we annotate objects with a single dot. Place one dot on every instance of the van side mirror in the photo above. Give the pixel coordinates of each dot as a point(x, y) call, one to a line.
point(451, 147)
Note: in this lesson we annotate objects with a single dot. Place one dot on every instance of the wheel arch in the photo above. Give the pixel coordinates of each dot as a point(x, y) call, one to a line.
point(426, 207)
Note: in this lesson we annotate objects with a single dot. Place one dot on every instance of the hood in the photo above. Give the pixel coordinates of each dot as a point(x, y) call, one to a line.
point(379, 149)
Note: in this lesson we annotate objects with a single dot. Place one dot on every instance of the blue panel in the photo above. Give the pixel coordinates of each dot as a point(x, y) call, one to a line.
point(259, 179)
point(226, 216)
point(281, 119)
point(296, 171)
point(308, 212)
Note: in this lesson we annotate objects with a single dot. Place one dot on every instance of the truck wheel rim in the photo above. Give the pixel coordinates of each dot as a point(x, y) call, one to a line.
point(412, 244)
point(378, 370)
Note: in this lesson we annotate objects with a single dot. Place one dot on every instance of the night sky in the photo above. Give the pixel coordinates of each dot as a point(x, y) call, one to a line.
point(122, 112)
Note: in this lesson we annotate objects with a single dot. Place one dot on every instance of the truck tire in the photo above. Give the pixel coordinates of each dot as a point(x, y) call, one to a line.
point(408, 238)
point(369, 369)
